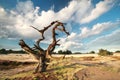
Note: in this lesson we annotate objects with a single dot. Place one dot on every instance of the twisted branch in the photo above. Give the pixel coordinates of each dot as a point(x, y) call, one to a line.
point(29, 50)
point(42, 32)
point(52, 46)
point(44, 55)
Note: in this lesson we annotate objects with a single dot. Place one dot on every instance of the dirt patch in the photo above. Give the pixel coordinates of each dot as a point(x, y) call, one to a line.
point(21, 67)
point(7, 64)
point(116, 57)
point(8, 68)
point(87, 58)
point(39, 76)
point(97, 73)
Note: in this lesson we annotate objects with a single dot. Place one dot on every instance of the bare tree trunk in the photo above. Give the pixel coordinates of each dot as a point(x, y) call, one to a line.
point(41, 67)
point(43, 56)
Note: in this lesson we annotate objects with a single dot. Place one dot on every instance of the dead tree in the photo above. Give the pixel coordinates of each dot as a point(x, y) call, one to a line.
point(44, 56)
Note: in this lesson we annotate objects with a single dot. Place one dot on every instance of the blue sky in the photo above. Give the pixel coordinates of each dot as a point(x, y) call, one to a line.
point(93, 24)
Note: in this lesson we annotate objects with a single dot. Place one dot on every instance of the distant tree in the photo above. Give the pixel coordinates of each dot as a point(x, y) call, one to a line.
point(92, 52)
point(10, 51)
point(54, 53)
point(103, 52)
point(60, 52)
point(118, 51)
point(68, 52)
point(77, 53)
point(64, 52)
point(3, 51)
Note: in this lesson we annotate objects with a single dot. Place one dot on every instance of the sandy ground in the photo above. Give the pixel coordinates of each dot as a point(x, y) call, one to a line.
point(26, 57)
point(17, 57)
point(17, 70)
point(77, 55)
point(96, 73)
point(97, 67)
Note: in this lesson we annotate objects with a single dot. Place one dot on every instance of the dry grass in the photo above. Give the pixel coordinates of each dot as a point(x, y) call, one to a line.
point(116, 57)
point(66, 68)
point(17, 57)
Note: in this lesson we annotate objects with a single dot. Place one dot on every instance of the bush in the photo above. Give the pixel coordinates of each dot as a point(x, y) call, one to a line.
point(3, 51)
point(64, 52)
point(103, 52)
point(117, 51)
point(77, 53)
point(91, 52)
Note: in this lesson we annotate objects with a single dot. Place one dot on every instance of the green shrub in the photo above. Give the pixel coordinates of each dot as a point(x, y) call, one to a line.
point(91, 52)
point(103, 52)
point(117, 51)
point(64, 52)
point(3, 51)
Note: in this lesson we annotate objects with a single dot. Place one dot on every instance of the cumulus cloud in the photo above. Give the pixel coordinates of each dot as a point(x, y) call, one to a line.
point(110, 42)
point(98, 28)
point(3, 13)
point(69, 45)
point(25, 14)
point(16, 23)
point(74, 40)
point(101, 8)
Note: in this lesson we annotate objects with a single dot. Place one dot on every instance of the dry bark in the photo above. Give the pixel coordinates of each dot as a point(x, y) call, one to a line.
point(44, 56)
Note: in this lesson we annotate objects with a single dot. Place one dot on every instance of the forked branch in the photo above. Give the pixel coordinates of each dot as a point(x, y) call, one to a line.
point(52, 46)
point(40, 54)
point(29, 50)
point(42, 33)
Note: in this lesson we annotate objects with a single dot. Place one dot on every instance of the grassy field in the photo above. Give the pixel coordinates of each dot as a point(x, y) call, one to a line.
point(73, 67)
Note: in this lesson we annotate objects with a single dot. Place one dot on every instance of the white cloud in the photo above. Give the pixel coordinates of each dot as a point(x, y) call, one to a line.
point(71, 42)
point(72, 36)
point(110, 42)
point(25, 7)
point(98, 28)
point(74, 40)
point(69, 45)
point(4, 17)
point(101, 8)
point(16, 22)
point(2, 11)
point(25, 14)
